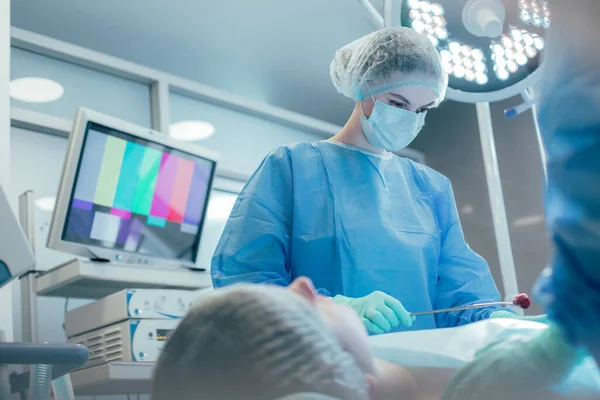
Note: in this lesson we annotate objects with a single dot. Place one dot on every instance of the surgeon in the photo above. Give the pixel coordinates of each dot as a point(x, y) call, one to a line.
point(373, 230)
point(569, 119)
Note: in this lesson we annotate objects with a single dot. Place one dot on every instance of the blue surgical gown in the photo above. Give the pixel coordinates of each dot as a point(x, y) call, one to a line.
point(355, 223)
point(569, 118)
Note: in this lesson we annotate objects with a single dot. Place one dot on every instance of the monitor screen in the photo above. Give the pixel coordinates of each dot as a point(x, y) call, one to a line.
point(137, 196)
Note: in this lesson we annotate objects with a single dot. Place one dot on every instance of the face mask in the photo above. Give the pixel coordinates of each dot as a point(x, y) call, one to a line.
point(391, 128)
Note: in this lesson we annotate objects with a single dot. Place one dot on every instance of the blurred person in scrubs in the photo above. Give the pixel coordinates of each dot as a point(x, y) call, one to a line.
point(569, 118)
point(375, 231)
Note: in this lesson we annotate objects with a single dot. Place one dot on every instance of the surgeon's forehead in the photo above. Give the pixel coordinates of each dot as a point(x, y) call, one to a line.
point(414, 95)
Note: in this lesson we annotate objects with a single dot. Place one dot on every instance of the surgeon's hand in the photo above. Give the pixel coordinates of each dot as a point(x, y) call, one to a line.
point(378, 311)
point(516, 368)
point(507, 314)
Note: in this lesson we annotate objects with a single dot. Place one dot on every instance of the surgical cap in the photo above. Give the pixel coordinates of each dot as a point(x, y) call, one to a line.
point(385, 60)
point(254, 342)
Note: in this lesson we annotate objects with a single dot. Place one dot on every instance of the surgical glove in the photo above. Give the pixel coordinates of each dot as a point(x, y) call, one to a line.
point(515, 368)
point(507, 314)
point(378, 311)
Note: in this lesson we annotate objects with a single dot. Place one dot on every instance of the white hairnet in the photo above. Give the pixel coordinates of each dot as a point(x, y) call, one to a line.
point(254, 342)
point(386, 60)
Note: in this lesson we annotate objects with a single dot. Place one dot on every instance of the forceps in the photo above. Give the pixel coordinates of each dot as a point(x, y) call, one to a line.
point(469, 307)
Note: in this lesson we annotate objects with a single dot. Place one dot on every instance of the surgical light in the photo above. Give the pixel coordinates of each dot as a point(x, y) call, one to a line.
point(514, 52)
point(446, 55)
point(519, 48)
point(502, 74)
point(479, 66)
point(477, 54)
point(546, 22)
point(191, 131)
point(418, 26)
point(535, 12)
point(454, 47)
point(436, 9)
point(35, 90)
point(413, 4)
point(481, 78)
point(530, 51)
point(441, 33)
point(516, 35)
point(464, 62)
point(487, 46)
point(459, 71)
point(426, 18)
point(521, 59)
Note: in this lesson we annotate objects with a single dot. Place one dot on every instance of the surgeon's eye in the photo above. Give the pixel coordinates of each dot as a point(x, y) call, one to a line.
point(399, 105)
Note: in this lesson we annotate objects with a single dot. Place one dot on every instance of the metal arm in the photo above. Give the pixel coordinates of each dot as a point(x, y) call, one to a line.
point(388, 8)
point(373, 13)
point(492, 173)
point(529, 96)
point(391, 13)
point(28, 289)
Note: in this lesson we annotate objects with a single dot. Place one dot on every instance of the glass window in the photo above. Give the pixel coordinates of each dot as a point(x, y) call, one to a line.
point(219, 207)
point(83, 87)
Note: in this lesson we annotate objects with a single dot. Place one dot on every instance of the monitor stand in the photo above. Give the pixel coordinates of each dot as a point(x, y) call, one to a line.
point(86, 279)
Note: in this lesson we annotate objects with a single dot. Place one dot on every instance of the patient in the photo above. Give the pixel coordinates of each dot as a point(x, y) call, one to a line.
point(266, 342)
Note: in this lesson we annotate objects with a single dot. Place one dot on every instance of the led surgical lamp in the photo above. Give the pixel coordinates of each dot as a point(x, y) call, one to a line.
point(491, 50)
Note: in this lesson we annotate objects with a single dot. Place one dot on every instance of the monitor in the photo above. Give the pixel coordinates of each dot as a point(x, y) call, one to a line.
point(16, 255)
point(131, 195)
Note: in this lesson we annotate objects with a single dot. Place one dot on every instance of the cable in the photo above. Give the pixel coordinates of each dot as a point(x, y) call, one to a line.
point(540, 141)
point(65, 313)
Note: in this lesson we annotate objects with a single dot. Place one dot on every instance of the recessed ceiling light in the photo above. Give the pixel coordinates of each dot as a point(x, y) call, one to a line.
point(35, 90)
point(46, 203)
point(191, 131)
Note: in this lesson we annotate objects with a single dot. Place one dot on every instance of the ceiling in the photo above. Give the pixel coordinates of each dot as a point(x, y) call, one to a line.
point(273, 51)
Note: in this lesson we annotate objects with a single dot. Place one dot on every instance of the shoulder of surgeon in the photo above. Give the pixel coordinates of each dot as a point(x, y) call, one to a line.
point(281, 157)
point(428, 177)
point(278, 166)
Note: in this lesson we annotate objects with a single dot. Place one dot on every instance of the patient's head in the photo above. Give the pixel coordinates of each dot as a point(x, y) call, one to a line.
point(264, 342)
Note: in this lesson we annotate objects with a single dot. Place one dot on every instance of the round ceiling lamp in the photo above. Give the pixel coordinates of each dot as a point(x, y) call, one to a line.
point(35, 90)
point(191, 131)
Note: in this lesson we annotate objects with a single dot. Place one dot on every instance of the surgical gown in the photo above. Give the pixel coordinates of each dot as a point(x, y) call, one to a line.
point(355, 223)
point(569, 118)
